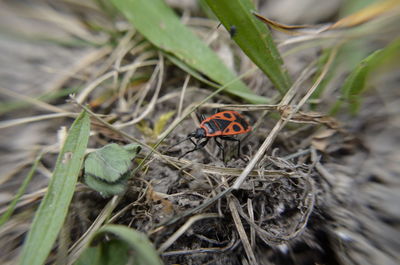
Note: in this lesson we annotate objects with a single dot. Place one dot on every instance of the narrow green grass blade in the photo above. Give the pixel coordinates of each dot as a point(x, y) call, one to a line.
point(144, 252)
point(160, 25)
point(253, 37)
point(356, 83)
point(352, 52)
point(53, 209)
point(4, 218)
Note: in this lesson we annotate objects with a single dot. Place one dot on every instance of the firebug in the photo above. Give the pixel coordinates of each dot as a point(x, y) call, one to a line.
point(222, 125)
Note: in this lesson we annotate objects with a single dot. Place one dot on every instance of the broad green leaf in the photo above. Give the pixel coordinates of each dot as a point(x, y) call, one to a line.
point(161, 26)
point(143, 250)
point(193, 72)
point(114, 252)
point(107, 169)
point(91, 255)
point(253, 37)
point(110, 162)
point(106, 189)
point(54, 207)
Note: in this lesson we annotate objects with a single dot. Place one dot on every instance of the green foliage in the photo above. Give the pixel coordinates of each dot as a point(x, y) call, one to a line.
point(160, 25)
point(115, 252)
point(107, 169)
point(357, 81)
point(53, 209)
point(253, 37)
point(4, 218)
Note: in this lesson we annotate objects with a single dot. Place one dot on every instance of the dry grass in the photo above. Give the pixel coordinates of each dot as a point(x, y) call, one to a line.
point(315, 189)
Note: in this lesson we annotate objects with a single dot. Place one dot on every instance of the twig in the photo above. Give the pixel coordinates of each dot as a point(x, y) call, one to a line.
point(89, 89)
point(251, 214)
point(20, 121)
point(232, 245)
point(183, 228)
point(36, 102)
point(79, 246)
point(160, 72)
point(242, 232)
point(182, 96)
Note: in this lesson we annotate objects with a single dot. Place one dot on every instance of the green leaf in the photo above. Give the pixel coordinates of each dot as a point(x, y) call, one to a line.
point(110, 162)
point(54, 207)
point(107, 169)
point(4, 218)
point(143, 250)
point(106, 189)
point(114, 252)
point(356, 83)
point(253, 37)
point(193, 72)
point(354, 50)
point(160, 25)
point(90, 256)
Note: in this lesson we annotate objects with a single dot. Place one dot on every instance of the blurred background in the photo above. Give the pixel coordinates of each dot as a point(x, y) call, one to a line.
point(50, 49)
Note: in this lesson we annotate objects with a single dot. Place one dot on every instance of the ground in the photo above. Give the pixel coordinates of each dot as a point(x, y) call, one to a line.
point(326, 191)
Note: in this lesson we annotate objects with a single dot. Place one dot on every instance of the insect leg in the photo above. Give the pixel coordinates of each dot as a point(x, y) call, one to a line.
point(216, 110)
point(198, 146)
point(193, 142)
point(229, 138)
point(200, 117)
point(220, 146)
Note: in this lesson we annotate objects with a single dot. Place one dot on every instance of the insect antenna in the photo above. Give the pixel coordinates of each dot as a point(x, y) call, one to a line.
point(187, 138)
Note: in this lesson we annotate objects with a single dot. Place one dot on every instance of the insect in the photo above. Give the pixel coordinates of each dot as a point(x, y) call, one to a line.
point(232, 31)
point(222, 125)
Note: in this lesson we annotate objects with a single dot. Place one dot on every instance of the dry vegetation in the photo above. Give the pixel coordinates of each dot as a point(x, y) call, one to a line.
point(321, 189)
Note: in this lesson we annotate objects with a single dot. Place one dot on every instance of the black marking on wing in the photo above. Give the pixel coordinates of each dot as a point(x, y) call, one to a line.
point(222, 123)
point(242, 121)
point(236, 128)
point(227, 115)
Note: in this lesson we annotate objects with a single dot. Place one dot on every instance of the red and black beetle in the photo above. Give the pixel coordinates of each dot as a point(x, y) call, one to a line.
point(222, 125)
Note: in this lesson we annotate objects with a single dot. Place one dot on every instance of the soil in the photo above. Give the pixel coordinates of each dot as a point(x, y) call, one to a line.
point(323, 193)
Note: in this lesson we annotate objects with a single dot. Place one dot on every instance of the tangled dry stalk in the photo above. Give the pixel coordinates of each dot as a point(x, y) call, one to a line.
point(315, 190)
